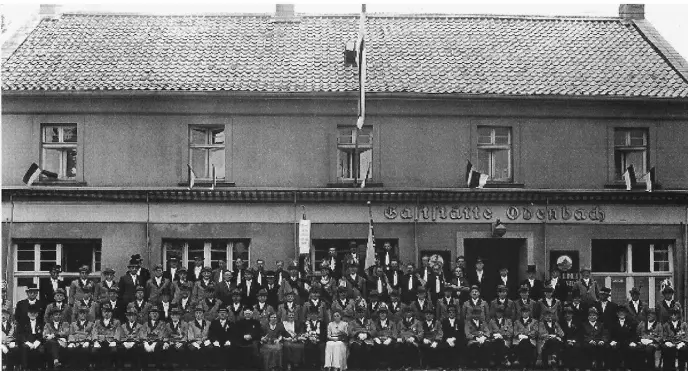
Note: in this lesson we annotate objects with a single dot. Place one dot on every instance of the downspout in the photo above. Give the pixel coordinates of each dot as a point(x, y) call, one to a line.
point(296, 229)
point(415, 232)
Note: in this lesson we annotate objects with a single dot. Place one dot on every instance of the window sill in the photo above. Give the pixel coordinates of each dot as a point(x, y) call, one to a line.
point(637, 187)
point(60, 183)
point(351, 185)
point(204, 184)
point(503, 185)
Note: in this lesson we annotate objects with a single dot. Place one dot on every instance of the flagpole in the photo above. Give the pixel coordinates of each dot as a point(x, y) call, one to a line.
point(361, 98)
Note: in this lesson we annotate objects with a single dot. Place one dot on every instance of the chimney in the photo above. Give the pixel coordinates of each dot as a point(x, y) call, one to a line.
point(49, 11)
point(631, 11)
point(285, 13)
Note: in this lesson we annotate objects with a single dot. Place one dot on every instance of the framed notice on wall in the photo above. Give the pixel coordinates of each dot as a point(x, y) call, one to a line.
point(568, 263)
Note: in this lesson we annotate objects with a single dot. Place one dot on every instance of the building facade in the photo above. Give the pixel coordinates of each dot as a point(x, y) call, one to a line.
point(119, 105)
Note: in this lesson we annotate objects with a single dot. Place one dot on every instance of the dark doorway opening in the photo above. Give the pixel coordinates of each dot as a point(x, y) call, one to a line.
point(497, 253)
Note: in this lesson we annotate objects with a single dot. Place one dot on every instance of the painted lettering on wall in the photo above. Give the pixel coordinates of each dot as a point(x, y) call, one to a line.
point(482, 213)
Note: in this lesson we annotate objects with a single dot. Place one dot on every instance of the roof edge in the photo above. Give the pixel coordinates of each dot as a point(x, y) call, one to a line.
point(663, 47)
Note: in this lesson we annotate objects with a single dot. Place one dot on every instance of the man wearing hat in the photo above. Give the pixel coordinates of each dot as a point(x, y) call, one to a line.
point(410, 282)
point(315, 337)
point(335, 264)
point(153, 335)
point(141, 305)
point(361, 333)
point(594, 342)
point(56, 333)
point(239, 271)
point(21, 312)
point(396, 307)
point(503, 301)
point(548, 304)
point(410, 335)
point(290, 305)
point(48, 286)
point(587, 287)
point(622, 334)
point(219, 271)
point(478, 276)
point(343, 304)
point(650, 334)
point(373, 306)
point(87, 302)
point(105, 337)
point(665, 305)
point(180, 282)
point(430, 346)
point(525, 338)
point(561, 289)
point(549, 339)
point(30, 338)
point(355, 282)
point(637, 309)
point(378, 283)
point(524, 302)
point(59, 304)
point(605, 307)
point(78, 285)
point(443, 304)
point(199, 287)
point(421, 303)
point(478, 339)
point(9, 341)
point(261, 310)
point(101, 291)
point(80, 341)
point(220, 336)
point(223, 289)
point(175, 346)
point(173, 272)
point(475, 302)
point(384, 342)
point(142, 272)
point(534, 285)
point(580, 310)
point(130, 340)
point(165, 305)
point(198, 343)
point(184, 302)
point(236, 308)
point(315, 302)
point(272, 288)
point(675, 341)
point(501, 333)
point(246, 332)
point(129, 282)
point(259, 272)
point(249, 289)
point(194, 272)
point(394, 274)
point(572, 340)
point(157, 284)
point(508, 281)
point(453, 339)
point(292, 283)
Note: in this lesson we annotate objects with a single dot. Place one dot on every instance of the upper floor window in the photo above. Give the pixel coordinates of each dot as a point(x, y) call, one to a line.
point(354, 161)
point(630, 147)
point(59, 150)
point(494, 153)
point(207, 149)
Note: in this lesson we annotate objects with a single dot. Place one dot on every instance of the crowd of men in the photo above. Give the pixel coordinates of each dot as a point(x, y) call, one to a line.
point(399, 317)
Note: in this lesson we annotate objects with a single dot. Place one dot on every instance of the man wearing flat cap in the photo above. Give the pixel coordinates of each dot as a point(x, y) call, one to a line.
point(594, 342)
point(292, 282)
point(651, 335)
point(177, 285)
point(172, 273)
point(430, 346)
point(76, 289)
point(453, 339)
point(105, 338)
point(199, 287)
point(141, 305)
point(361, 334)
point(48, 286)
point(504, 301)
point(220, 336)
point(59, 304)
point(157, 284)
point(525, 338)
point(87, 302)
point(236, 307)
point(261, 310)
point(605, 307)
point(200, 347)
point(524, 301)
point(549, 339)
point(548, 304)
point(475, 302)
point(153, 334)
point(117, 305)
point(637, 309)
point(587, 287)
point(623, 340)
point(273, 289)
point(478, 339)
point(56, 333)
point(176, 345)
point(384, 342)
point(129, 282)
point(573, 339)
point(101, 292)
point(80, 340)
point(421, 303)
point(501, 333)
point(130, 340)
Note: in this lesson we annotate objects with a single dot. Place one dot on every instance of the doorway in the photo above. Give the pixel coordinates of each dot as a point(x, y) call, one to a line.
point(497, 253)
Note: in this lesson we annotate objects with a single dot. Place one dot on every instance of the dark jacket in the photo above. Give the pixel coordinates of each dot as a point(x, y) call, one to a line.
point(408, 295)
point(244, 327)
point(46, 292)
point(623, 335)
point(448, 331)
point(24, 333)
point(574, 332)
point(608, 316)
point(217, 332)
point(127, 288)
point(21, 311)
point(535, 289)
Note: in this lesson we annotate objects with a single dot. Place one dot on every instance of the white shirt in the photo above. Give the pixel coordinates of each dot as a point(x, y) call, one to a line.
point(106, 322)
point(166, 307)
point(603, 304)
point(110, 283)
point(332, 263)
point(197, 271)
point(531, 282)
point(437, 284)
point(158, 281)
point(248, 286)
point(504, 279)
point(289, 327)
point(54, 282)
point(636, 305)
point(410, 284)
point(479, 274)
point(421, 303)
point(549, 301)
point(622, 321)
point(395, 280)
point(387, 258)
point(173, 272)
point(185, 301)
point(33, 325)
point(451, 322)
point(383, 323)
point(586, 281)
point(113, 303)
point(554, 282)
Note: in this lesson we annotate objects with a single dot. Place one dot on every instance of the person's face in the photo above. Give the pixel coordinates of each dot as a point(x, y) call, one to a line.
point(248, 313)
point(206, 274)
point(315, 295)
point(592, 317)
point(568, 316)
point(236, 298)
point(198, 314)
point(107, 314)
point(82, 315)
point(33, 315)
point(525, 314)
point(421, 295)
point(503, 272)
point(668, 295)
point(279, 265)
point(113, 296)
point(32, 295)
point(174, 264)
point(290, 297)
point(109, 276)
point(59, 297)
point(332, 252)
point(555, 274)
point(5, 317)
point(475, 293)
point(379, 271)
point(182, 275)
point(294, 273)
point(395, 298)
point(260, 264)
point(382, 315)
point(394, 265)
point(154, 315)
point(175, 317)
point(479, 265)
point(354, 269)
point(458, 272)
point(83, 274)
point(227, 276)
point(361, 314)
point(158, 272)
point(461, 262)
point(548, 294)
point(621, 314)
point(336, 316)
point(57, 317)
point(429, 316)
point(502, 295)
point(165, 298)
point(387, 246)
point(198, 262)
point(132, 269)
point(604, 296)
point(248, 275)
point(131, 317)
point(88, 295)
point(222, 264)
point(586, 274)
point(139, 295)
point(674, 316)
point(635, 296)
point(262, 298)
point(409, 269)
point(452, 314)
point(524, 295)
point(548, 317)
point(222, 315)
point(651, 317)
point(425, 260)
point(54, 274)
point(185, 293)
point(273, 318)
point(353, 249)
point(576, 300)
point(531, 275)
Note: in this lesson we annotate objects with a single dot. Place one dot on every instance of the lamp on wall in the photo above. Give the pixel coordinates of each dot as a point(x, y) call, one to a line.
point(498, 229)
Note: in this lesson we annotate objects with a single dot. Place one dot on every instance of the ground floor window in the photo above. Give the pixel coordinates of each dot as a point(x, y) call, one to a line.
point(623, 264)
point(322, 246)
point(213, 250)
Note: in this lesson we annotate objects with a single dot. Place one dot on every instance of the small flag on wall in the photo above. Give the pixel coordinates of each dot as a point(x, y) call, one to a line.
point(35, 172)
point(629, 177)
point(370, 247)
point(649, 179)
point(475, 179)
point(192, 177)
point(363, 183)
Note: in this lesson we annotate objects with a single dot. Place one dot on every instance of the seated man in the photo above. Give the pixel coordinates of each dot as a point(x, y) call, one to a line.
point(199, 344)
point(573, 339)
point(130, 346)
point(9, 342)
point(431, 338)
point(453, 339)
point(650, 334)
point(594, 341)
point(31, 341)
point(384, 346)
point(219, 335)
point(477, 339)
point(56, 333)
point(79, 345)
point(549, 339)
point(502, 332)
point(154, 335)
point(525, 338)
point(361, 334)
point(105, 336)
point(623, 342)
point(247, 333)
point(410, 335)
point(675, 342)
point(175, 347)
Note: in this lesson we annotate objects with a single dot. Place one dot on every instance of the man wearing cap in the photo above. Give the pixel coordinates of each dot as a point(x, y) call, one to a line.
point(572, 340)
point(665, 305)
point(475, 302)
point(623, 340)
point(315, 337)
point(509, 282)
point(410, 282)
point(130, 340)
point(587, 287)
point(272, 288)
point(637, 310)
point(180, 282)
point(199, 344)
point(421, 303)
point(48, 286)
point(501, 333)
point(105, 337)
point(194, 272)
point(606, 308)
point(55, 333)
point(378, 282)
point(334, 263)
point(223, 289)
point(548, 304)
point(453, 339)
point(9, 341)
point(343, 304)
point(175, 348)
point(534, 285)
point(580, 310)
point(173, 272)
point(30, 338)
point(524, 302)
point(157, 284)
point(430, 346)
point(315, 302)
point(60, 305)
point(503, 301)
point(291, 283)
point(100, 293)
point(478, 339)
point(384, 342)
point(220, 336)
point(200, 285)
point(78, 285)
point(355, 282)
point(373, 306)
point(249, 289)
point(236, 308)
point(154, 333)
point(549, 339)
point(478, 276)
point(650, 334)
point(141, 305)
point(561, 289)
point(525, 338)
point(394, 274)
point(361, 334)
point(261, 310)
point(280, 273)
point(594, 341)
point(445, 303)
point(396, 307)
point(80, 341)
point(675, 341)
point(288, 306)
point(129, 282)
point(142, 272)
point(87, 302)
point(219, 272)
point(184, 302)
point(21, 312)
point(165, 305)
point(246, 337)
point(410, 335)
point(353, 258)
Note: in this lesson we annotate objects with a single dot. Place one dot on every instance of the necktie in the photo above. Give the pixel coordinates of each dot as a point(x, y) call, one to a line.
point(410, 283)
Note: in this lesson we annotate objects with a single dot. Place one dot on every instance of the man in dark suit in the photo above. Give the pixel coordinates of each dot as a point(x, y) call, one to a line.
point(354, 258)
point(481, 278)
point(48, 286)
point(219, 273)
point(173, 272)
point(572, 340)
point(453, 337)
point(246, 337)
point(594, 342)
point(561, 289)
point(220, 335)
point(239, 272)
point(223, 289)
point(143, 273)
point(30, 338)
point(334, 263)
point(21, 312)
point(605, 307)
point(534, 285)
point(424, 271)
point(509, 282)
point(259, 272)
point(580, 309)
point(116, 304)
point(394, 274)
point(435, 284)
point(128, 283)
point(622, 333)
point(249, 289)
point(409, 285)
point(272, 288)
point(637, 310)
point(195, 269)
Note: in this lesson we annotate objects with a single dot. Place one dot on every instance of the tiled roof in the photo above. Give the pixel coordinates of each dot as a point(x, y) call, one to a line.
point(481, 55)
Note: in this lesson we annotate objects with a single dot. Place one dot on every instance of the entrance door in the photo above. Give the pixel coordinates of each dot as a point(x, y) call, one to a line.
point(497, 253)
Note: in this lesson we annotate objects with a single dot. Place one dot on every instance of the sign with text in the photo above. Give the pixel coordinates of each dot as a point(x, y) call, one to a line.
point(304, 236)
point(475, 213)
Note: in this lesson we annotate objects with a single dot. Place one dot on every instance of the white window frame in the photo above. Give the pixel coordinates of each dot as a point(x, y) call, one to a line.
point(640, 169)
point(208, 129)
point(367, 131)
point(206, 251)
point(62, 146)
point(494, 146)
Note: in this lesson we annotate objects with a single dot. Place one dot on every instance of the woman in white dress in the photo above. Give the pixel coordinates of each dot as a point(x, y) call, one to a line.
point(336, 350)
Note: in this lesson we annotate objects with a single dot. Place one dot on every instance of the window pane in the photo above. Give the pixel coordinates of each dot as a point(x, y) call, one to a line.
point(661, 257)
point(217, 158)
point(198, 136)
point(365, 137)
point(218, 136)
point(345, 136)
point(484, 135)
point(198, 162)
point(24, 266)
point(502, 136)
point(174, 248)
point(501, 164)
point(69, 133)
point(196, 247)
point(97, 257)
point(619, 164)
point(345, 164)
point(483, 165)
point(76, 254)
point(25, 255)
point(618, 290)
point(609, 255)
point(48, 255)
point(52, 160)
point(620, 136)
point(637, 159)
point(638, 137)
point(71, 163)
point(642, 283)
point(51, 134)
point(641, 257)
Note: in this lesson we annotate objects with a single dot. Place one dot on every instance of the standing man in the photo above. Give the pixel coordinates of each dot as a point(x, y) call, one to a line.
point(219, 272)
point(509, 282)
point(561, 289)
point(436, 283)
point(21, 312)
point(478, 276)
point(409, 284)
point(173, 272)
point(259, 272)
point(637, 310)
point(48, 286)
point(143, 273)
point(587, 287)
point(334, 263)
point(239, 271)
point(103, 287)
point(353, 258)
point(394, 274)
point(279, 271)
point(223, 290)
point(194, 272)
point(249, 289)
point(387, 255)
point(606, 309)
point(425, 271)
point(76, 289)
point(535, 287)
point(157, 284)
point(129, 282)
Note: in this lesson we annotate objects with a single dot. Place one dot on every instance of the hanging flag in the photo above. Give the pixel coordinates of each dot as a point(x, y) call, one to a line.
point(361, 63)
point(212, 187)
point(629, 177)
point(363, 184)
point(649, 179)
point(370, 248)
point(34, 172)
point(475, 179)
point(192, 177)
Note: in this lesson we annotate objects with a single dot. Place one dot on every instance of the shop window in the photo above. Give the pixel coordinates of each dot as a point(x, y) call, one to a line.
point(630, 147)
point(213, 250)
point(494, 153)
point(354, 161)
point(59, 150)
point(322, 247)
point(207, 150)
point(609, 256)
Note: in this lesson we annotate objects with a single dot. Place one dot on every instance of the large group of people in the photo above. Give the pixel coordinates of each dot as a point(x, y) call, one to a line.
point(340, 316)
